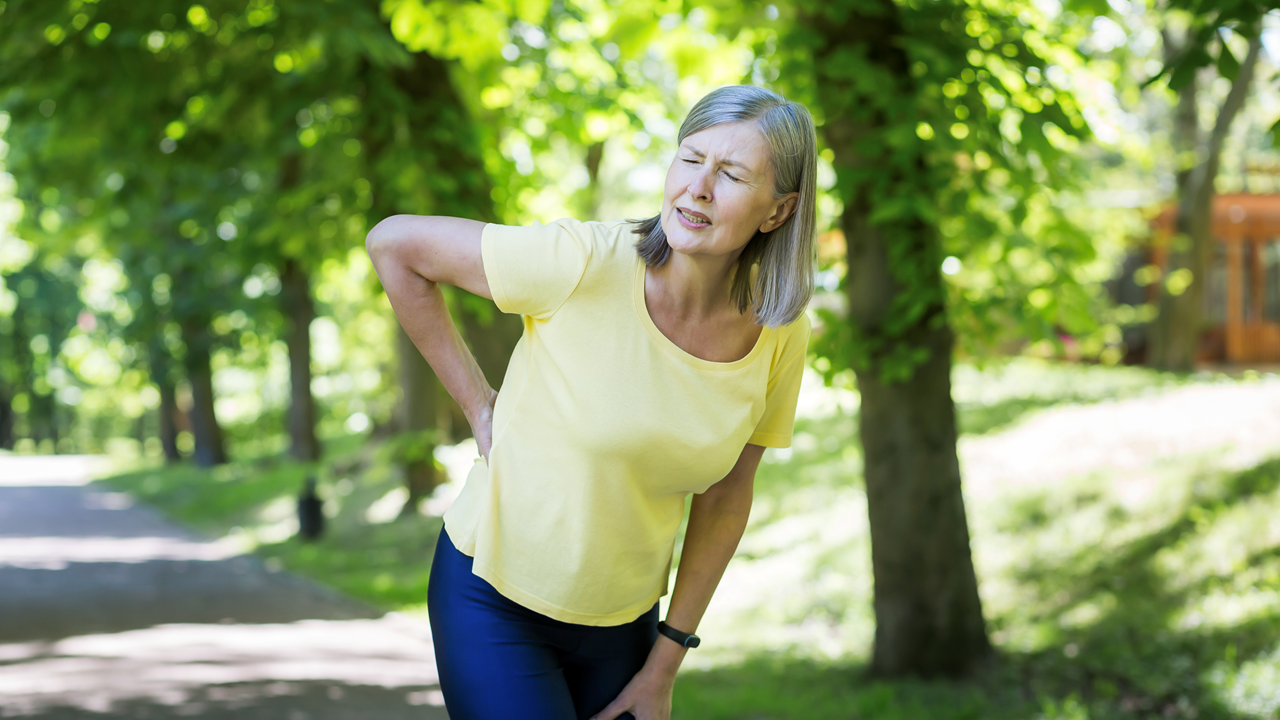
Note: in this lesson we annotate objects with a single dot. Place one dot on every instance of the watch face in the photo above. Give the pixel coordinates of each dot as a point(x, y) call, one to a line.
point(693, 641)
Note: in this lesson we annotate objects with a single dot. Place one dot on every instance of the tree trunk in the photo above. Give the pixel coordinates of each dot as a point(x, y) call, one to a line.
point(55, 425)
point(140, 433)
point(210, 449)
point(161, 365)
point(595, 156)
point(419, 414)
point(928, 613)
point(41, 418)
point(167, 415)
point(1175, 332)
point(299, 313)
point(493, 343)
point(6, 418)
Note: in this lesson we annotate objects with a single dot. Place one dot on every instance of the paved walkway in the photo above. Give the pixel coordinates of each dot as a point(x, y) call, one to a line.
point(107, 610)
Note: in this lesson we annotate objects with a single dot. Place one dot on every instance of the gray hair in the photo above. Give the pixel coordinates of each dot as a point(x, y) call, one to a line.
point(785, 282)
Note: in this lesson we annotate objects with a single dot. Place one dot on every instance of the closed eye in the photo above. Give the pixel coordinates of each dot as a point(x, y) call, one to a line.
point(726, 174)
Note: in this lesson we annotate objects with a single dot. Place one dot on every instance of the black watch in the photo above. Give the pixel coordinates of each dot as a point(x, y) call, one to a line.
point(688, 640)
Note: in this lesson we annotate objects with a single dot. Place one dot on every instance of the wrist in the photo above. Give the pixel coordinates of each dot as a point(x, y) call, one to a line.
point(665, 658)
point(683, 639)
point(482, 408)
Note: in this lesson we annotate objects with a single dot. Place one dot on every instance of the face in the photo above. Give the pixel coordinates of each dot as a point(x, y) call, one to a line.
point(722, 179)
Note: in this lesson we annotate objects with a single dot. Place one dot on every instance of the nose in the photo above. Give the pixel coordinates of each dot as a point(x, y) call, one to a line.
point(700, 186)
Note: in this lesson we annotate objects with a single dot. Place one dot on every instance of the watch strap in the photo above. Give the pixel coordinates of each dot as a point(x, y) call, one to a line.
point(684, 639)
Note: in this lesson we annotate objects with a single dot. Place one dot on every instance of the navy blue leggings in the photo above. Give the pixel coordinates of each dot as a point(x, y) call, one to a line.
point(500, 660)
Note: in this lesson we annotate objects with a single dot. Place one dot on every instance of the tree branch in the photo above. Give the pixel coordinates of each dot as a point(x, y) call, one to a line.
point(1235, 98)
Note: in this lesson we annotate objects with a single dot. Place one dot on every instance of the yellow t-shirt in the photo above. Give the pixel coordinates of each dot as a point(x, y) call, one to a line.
point(603, 426)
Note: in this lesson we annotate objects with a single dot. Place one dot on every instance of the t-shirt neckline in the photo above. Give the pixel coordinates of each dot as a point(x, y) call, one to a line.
point(637, 285)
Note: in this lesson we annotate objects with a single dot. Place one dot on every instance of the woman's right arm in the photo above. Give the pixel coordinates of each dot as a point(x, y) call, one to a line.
point(412, 255)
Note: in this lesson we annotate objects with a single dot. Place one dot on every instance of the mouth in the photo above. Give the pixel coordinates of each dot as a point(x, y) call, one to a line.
point(692, 219)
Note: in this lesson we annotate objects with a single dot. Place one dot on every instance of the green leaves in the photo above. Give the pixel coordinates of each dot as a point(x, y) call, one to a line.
point(1228, 66)
point(952, 140)
point(471, 32)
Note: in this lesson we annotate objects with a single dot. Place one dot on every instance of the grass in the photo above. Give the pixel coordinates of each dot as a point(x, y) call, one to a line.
point(1099, 606)
point(991, 398)
point(1173, 611)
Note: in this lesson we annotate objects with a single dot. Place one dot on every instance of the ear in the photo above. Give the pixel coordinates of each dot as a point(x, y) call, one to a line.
point(781, 211)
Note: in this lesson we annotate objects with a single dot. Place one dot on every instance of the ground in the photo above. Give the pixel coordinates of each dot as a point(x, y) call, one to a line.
point(110, 610)
point(1124, 534)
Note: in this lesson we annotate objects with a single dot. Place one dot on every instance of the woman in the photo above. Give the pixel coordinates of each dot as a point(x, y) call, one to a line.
point(648, 369)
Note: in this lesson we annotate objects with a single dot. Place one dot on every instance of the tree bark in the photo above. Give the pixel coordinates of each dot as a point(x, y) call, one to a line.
point(161, 365)
point(6, 418)
point(299, 313)
point(40, 417)
point(167, 415)
point(1175, 332)
point(928, 613)
point(56, 427)
point(210, 448)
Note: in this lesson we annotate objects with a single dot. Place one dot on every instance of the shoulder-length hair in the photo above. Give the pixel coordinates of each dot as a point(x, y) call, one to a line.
point(785, 281)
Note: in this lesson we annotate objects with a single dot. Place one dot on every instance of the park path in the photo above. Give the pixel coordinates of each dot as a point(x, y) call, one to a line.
point(107, 610)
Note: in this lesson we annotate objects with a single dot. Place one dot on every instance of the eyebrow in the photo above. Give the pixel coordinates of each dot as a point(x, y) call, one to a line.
point(701, 154)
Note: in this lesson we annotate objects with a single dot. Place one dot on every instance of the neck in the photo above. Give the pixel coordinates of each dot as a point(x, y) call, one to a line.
point(696, 287)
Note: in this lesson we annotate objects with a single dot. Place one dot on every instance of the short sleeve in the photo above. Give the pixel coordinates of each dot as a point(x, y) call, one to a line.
point(533, 269)
point(783, 393)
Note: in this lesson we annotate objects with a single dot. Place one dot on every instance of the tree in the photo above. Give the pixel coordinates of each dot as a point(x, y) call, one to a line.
point(946, 132)
point(45, 313)
point(1176, 330)
point(60, 69)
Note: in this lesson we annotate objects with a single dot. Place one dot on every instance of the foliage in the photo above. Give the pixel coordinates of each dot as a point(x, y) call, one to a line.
point(241, 138)
point(583, 106)
point(1211, 22)
point(575, 106)
point(971, 134)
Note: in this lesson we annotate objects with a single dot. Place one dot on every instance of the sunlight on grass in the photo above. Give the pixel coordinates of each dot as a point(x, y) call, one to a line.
point(1253, 688)
point(990, 397)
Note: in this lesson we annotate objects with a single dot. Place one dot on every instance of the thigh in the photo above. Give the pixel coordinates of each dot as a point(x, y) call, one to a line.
point(606, 660)
point(492, 657)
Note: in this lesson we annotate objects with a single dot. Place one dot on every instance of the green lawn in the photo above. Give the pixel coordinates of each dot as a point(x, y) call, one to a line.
point(1099, 606)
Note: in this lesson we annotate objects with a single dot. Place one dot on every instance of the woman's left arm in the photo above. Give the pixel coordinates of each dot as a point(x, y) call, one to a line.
point(717, 518)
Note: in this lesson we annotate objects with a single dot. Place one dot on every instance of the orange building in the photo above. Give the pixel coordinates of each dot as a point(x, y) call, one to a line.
point(1242, 291)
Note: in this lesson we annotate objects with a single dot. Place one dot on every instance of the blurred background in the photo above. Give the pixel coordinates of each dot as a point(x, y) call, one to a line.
point(1036, 466)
